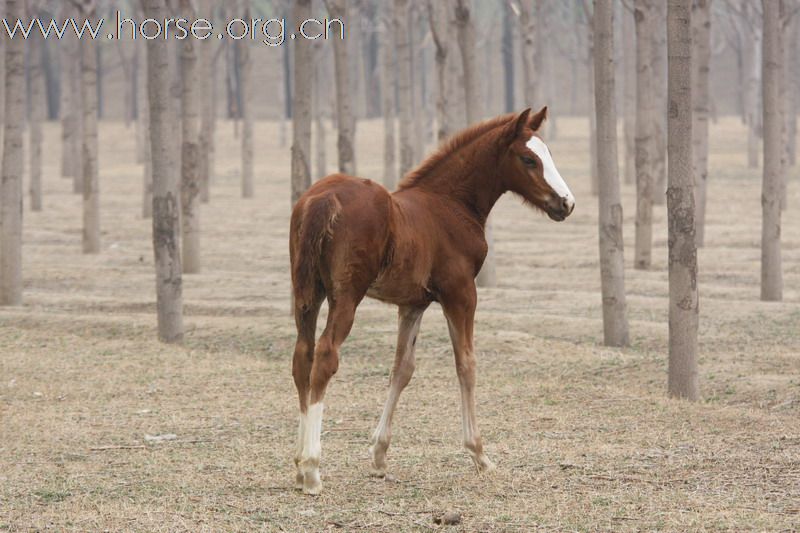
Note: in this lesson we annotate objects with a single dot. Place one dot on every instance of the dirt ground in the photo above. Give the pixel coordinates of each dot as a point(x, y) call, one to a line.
point(584, 436)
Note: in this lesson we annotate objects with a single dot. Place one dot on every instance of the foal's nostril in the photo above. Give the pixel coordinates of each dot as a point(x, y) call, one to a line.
point(567, 205)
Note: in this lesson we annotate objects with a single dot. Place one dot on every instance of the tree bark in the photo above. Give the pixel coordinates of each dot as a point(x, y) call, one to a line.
point(404, 99)
point(190, 168)
point(13, 163)
point(319, 115)
point(74, 62)
point(345, 119)
point(37, 107)
point(246, 81)
point(701, 43)
point(465, 35)
point(629, 92)
point(660, 86)
point(590, 98)
point(91, 192)
point(646, 144)
point(144, 127)
point(528, 29)
point(388, 86)
point(440, 31)
point(301, 106)
point(169, 283)
point(507, 50)
point(612, 256)
point(771, 270)
point(205, 55)
point(683, 298)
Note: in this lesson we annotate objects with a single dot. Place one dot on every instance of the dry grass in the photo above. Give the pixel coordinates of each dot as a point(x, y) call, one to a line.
point(583, 435)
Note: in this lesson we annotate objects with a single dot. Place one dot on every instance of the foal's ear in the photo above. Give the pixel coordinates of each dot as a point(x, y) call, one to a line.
point(538, 119)
point(514, 129)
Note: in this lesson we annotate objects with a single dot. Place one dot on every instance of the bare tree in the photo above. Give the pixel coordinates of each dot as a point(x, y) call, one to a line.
point(629, 91)
point(319, 114)
point(771, 269)
point(246, 81)
point(190, 136)
point(683, 298)
point(701, 43)
point(144, 127)
point(13, 165)
point(37, 111)
point(440, 31)
point(465, 35)
point(388, 101)
point(206, 55)
point(404, 98)
point(301, 106)
point(612, 256)
point(659, 61)
point(646, 143)
point(91, 192)
point(169, 282)
point(67, 99)
point(345, 119)
point(588, 16)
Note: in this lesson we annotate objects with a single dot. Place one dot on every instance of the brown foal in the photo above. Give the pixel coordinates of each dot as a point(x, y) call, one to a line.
point(423, 243)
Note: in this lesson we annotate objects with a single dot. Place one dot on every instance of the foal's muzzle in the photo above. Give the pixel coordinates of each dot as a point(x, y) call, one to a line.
point(559, 208)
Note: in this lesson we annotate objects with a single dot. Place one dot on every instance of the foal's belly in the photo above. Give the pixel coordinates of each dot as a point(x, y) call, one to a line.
point(399, 291)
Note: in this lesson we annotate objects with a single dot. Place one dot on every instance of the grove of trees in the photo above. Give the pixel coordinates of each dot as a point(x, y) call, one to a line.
point(663, 70)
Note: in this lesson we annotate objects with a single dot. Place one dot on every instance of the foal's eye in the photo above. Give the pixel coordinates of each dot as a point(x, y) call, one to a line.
point(529, 161)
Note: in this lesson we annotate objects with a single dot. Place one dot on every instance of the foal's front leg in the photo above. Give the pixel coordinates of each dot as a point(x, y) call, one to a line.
point(409, 320)
point(460, 313)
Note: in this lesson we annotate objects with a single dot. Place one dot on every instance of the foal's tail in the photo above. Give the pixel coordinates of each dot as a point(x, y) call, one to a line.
point(312, 224)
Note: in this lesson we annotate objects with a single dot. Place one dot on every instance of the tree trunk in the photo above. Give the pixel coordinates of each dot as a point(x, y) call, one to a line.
point(440, 31)
point(590, 98)
point(345, 119)
point(91, 192)
point(465, 35)
point(144, 127)
point(169, 283)
point(67, 102)
point(612, 257)
point(660, 86)
point(74, 66)
point(404, 99)
point(771, 270)
point(701, 43)
point(528, 29)
point(301, 107)
point(246, 83)
point(507, 50)
point(205, 50)
point(629, 92)
point(13, 165)
point(792, 65)
point(683, 299)
point(190, 136)
point(646, 146)
point(388, 87)
point(37, 106)
point(319, 116)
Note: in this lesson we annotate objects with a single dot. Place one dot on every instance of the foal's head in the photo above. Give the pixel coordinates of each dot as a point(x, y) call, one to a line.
point(527, 167)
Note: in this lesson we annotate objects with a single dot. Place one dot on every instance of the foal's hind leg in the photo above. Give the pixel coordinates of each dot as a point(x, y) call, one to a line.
point(326, 363)
point(408, 328)
point(306, 322)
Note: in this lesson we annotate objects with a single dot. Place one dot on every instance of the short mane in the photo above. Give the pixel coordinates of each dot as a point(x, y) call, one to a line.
point(451, 145)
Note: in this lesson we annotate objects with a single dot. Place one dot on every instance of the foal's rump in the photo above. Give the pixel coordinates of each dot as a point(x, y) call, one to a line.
point(338, 236)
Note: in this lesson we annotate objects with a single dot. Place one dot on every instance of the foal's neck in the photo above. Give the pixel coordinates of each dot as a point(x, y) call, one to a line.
point(467, 177)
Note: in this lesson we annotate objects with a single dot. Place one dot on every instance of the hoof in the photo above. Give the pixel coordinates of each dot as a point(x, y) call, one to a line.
point(298, 481)
point(312, 484)
point(378, 461)
point(484, 465)
point(377, 472)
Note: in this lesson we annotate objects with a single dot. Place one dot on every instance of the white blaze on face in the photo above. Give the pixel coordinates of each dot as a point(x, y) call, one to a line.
point(551, 174)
